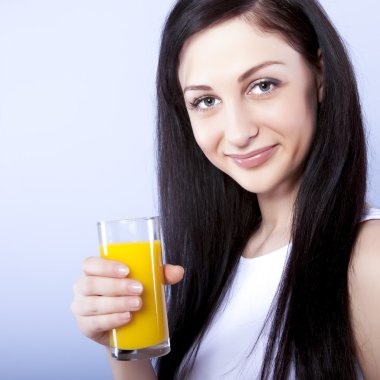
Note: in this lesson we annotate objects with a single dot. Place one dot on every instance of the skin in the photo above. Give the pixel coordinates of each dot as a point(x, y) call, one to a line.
point(246, 90)
point(364, 287)
point(234, 109)
point(104, 296)
point(104, 299)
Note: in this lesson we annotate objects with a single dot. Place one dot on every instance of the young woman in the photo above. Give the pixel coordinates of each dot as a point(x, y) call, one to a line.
point(262, 174)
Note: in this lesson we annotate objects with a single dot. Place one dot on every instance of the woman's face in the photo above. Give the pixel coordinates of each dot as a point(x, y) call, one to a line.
point(252, 102)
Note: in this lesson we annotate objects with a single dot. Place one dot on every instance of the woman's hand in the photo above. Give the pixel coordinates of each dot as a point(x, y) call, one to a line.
point(104, 296)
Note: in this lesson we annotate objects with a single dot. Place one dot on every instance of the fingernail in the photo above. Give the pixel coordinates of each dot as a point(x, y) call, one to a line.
point(122, 271)
point(135, 302)
point(136, 287)
point(127, 316)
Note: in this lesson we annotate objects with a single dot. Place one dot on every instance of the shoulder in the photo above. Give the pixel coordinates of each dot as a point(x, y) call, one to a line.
point(364, 287)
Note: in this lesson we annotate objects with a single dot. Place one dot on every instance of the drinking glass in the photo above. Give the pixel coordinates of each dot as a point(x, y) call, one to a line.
point(136, 243)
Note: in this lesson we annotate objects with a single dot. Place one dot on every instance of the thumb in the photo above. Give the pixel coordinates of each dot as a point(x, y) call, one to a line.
point(173, 274)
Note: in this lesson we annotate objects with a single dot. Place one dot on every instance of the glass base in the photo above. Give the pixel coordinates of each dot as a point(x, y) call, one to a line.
point(160, 349)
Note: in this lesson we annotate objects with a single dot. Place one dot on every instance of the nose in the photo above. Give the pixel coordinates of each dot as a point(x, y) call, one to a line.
point(240, 126)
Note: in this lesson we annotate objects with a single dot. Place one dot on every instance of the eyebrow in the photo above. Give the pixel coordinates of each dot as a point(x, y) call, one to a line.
point(241, 78)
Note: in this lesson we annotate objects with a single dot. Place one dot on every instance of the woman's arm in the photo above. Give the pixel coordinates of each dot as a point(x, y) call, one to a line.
point(364, 286)
point(102, 302)
point(133, 370)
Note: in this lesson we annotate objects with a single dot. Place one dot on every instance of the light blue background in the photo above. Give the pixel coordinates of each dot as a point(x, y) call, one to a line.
point(76, 145)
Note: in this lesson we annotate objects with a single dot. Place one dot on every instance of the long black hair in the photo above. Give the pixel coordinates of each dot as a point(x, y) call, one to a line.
point(207, 218)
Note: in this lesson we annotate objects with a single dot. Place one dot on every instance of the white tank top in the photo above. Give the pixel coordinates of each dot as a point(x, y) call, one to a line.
point(227, 350)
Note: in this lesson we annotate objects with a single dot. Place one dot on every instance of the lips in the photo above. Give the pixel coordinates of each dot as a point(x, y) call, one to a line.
point(254, 158)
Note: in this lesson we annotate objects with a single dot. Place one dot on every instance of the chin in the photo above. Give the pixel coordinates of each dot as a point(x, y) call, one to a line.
point(274, 186)
point(253, 186)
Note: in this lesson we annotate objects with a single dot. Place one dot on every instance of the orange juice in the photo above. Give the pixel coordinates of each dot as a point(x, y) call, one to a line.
point(148, 326)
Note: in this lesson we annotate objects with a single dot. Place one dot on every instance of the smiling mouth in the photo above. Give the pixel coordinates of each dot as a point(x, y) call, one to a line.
point(254, 158)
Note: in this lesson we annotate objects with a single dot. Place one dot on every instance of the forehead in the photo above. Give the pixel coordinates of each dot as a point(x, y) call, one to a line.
point(233, 45)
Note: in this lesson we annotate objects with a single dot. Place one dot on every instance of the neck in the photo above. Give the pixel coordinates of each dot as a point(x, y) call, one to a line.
point(277, 209)
point(276, 223)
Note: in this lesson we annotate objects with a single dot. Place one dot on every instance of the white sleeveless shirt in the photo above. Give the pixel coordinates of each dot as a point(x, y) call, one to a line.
point(227, 350)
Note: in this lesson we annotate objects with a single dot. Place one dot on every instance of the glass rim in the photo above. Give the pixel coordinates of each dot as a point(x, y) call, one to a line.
point(132, 219)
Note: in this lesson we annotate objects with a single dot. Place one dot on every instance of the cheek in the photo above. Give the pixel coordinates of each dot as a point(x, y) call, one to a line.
point(295, 119)
point(206, 136)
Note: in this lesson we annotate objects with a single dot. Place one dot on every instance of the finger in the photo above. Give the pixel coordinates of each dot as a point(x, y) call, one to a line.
point(96, 324)
point(104, 286)
point(173, 273)
point(95, 305)
point(98, 266)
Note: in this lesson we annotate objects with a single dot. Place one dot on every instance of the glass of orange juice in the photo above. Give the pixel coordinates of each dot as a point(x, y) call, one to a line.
point(136, 242)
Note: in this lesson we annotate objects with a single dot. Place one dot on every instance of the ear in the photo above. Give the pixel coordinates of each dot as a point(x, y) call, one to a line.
point(320, 72)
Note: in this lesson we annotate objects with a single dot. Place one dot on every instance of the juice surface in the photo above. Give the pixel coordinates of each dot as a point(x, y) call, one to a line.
point(148, 325)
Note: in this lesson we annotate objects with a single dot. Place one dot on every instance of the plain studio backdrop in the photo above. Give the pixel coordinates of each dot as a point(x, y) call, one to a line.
point(77, 116)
